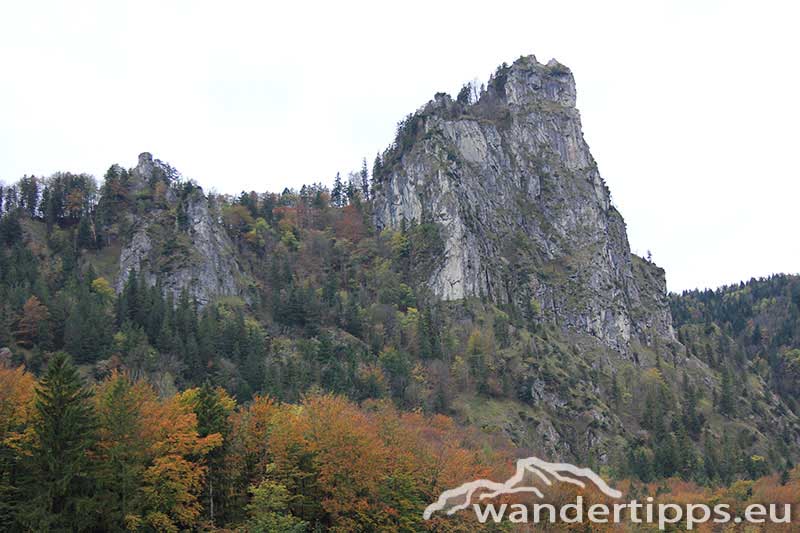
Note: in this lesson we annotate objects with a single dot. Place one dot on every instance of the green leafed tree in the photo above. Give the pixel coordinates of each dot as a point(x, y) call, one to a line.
point(269, 510)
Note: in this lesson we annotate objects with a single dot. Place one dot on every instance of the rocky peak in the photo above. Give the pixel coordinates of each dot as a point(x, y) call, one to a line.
point(196, 256)
point(142, 175)
point(522, 209)
point(144, 169)
point(527, 81)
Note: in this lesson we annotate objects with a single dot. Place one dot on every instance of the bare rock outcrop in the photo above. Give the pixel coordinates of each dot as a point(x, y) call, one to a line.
point(524, 214)
point(179, 244)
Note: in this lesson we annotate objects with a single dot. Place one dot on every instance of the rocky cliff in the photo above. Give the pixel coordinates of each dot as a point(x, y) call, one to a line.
point(177, 242)
point(524, 213)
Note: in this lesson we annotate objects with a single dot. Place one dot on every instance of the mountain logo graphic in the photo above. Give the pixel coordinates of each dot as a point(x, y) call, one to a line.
point(453, 500)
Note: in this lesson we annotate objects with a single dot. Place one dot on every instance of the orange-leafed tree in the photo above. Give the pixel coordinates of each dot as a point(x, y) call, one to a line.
point(349, 458)
point(350, 224)
point(17, 390)
point(173, 481)
point(212, 408)
point(32, 324)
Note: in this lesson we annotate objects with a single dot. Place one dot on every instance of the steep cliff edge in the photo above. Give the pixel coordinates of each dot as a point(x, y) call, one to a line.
point(177, 242)
point(525, 216)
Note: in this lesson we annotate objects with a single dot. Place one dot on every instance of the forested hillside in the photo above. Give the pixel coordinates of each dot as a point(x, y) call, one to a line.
point(754, 323)
point(329, 358)
point(329, 303)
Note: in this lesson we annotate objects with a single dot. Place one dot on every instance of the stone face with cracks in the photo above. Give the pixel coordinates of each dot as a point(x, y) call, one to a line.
point(523, 210)
point(207, 267)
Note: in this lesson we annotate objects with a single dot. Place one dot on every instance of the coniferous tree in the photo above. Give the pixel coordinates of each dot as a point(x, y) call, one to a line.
point(85, 238)
point(29, 194)
point(726, 398)
point(337, 193)
point(47, 211)
point(88, 329)
point(364, 175)
point(616, 395)
point(377, 170)
point(122, 455)
point(350, 191)
point(757, 336)
point(352, 316)
point(686, 461)
point(59, 490)
point(10, 229)
point(692, 420)
point(212, 418)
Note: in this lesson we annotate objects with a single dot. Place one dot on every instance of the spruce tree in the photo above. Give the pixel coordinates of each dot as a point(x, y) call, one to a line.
point(59, 489)
point(212, 418)
point(726, 399)
point(337, 193)
point(124, 453)
point(377, 170)
point(85, 238)
point(364, 174)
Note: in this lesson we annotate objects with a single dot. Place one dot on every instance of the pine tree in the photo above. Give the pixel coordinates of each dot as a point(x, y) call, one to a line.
point(377, 170)
point(29, 194)
point(61, 484)
point(350, 190)
point(692, 420)
point(666, 457)
point(47, 211)
point(685, 453)
point(757, 336)
point(212, 418)
point(88, 328)
point(10, 229)
point(726, 399)
point(85, 238)
point(616, 395)
point(191, 359)
point(352, 316)
point(253, 367)
point(364, 174)
point(729, 460)
point(428, 339)
point(337, 193)
point(123, 452)
point(129, 301)
point(711, 458)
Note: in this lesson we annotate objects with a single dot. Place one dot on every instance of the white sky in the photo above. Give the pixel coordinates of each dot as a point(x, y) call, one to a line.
point(690, 108)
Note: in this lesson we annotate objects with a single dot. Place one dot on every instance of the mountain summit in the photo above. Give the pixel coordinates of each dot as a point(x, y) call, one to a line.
point(526, 217)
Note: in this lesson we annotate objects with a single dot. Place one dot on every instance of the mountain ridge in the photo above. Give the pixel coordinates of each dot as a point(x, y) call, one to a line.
point(483, 273)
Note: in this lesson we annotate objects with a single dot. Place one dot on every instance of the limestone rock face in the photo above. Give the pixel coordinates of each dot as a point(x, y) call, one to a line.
point(196, 255)
point(524, 213)
point(146, 168)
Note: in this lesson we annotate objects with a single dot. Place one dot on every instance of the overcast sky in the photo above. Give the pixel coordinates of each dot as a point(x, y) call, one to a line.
point(690, 108)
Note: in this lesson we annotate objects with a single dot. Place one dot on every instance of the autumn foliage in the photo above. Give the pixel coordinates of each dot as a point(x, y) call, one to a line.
point(325, 462)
